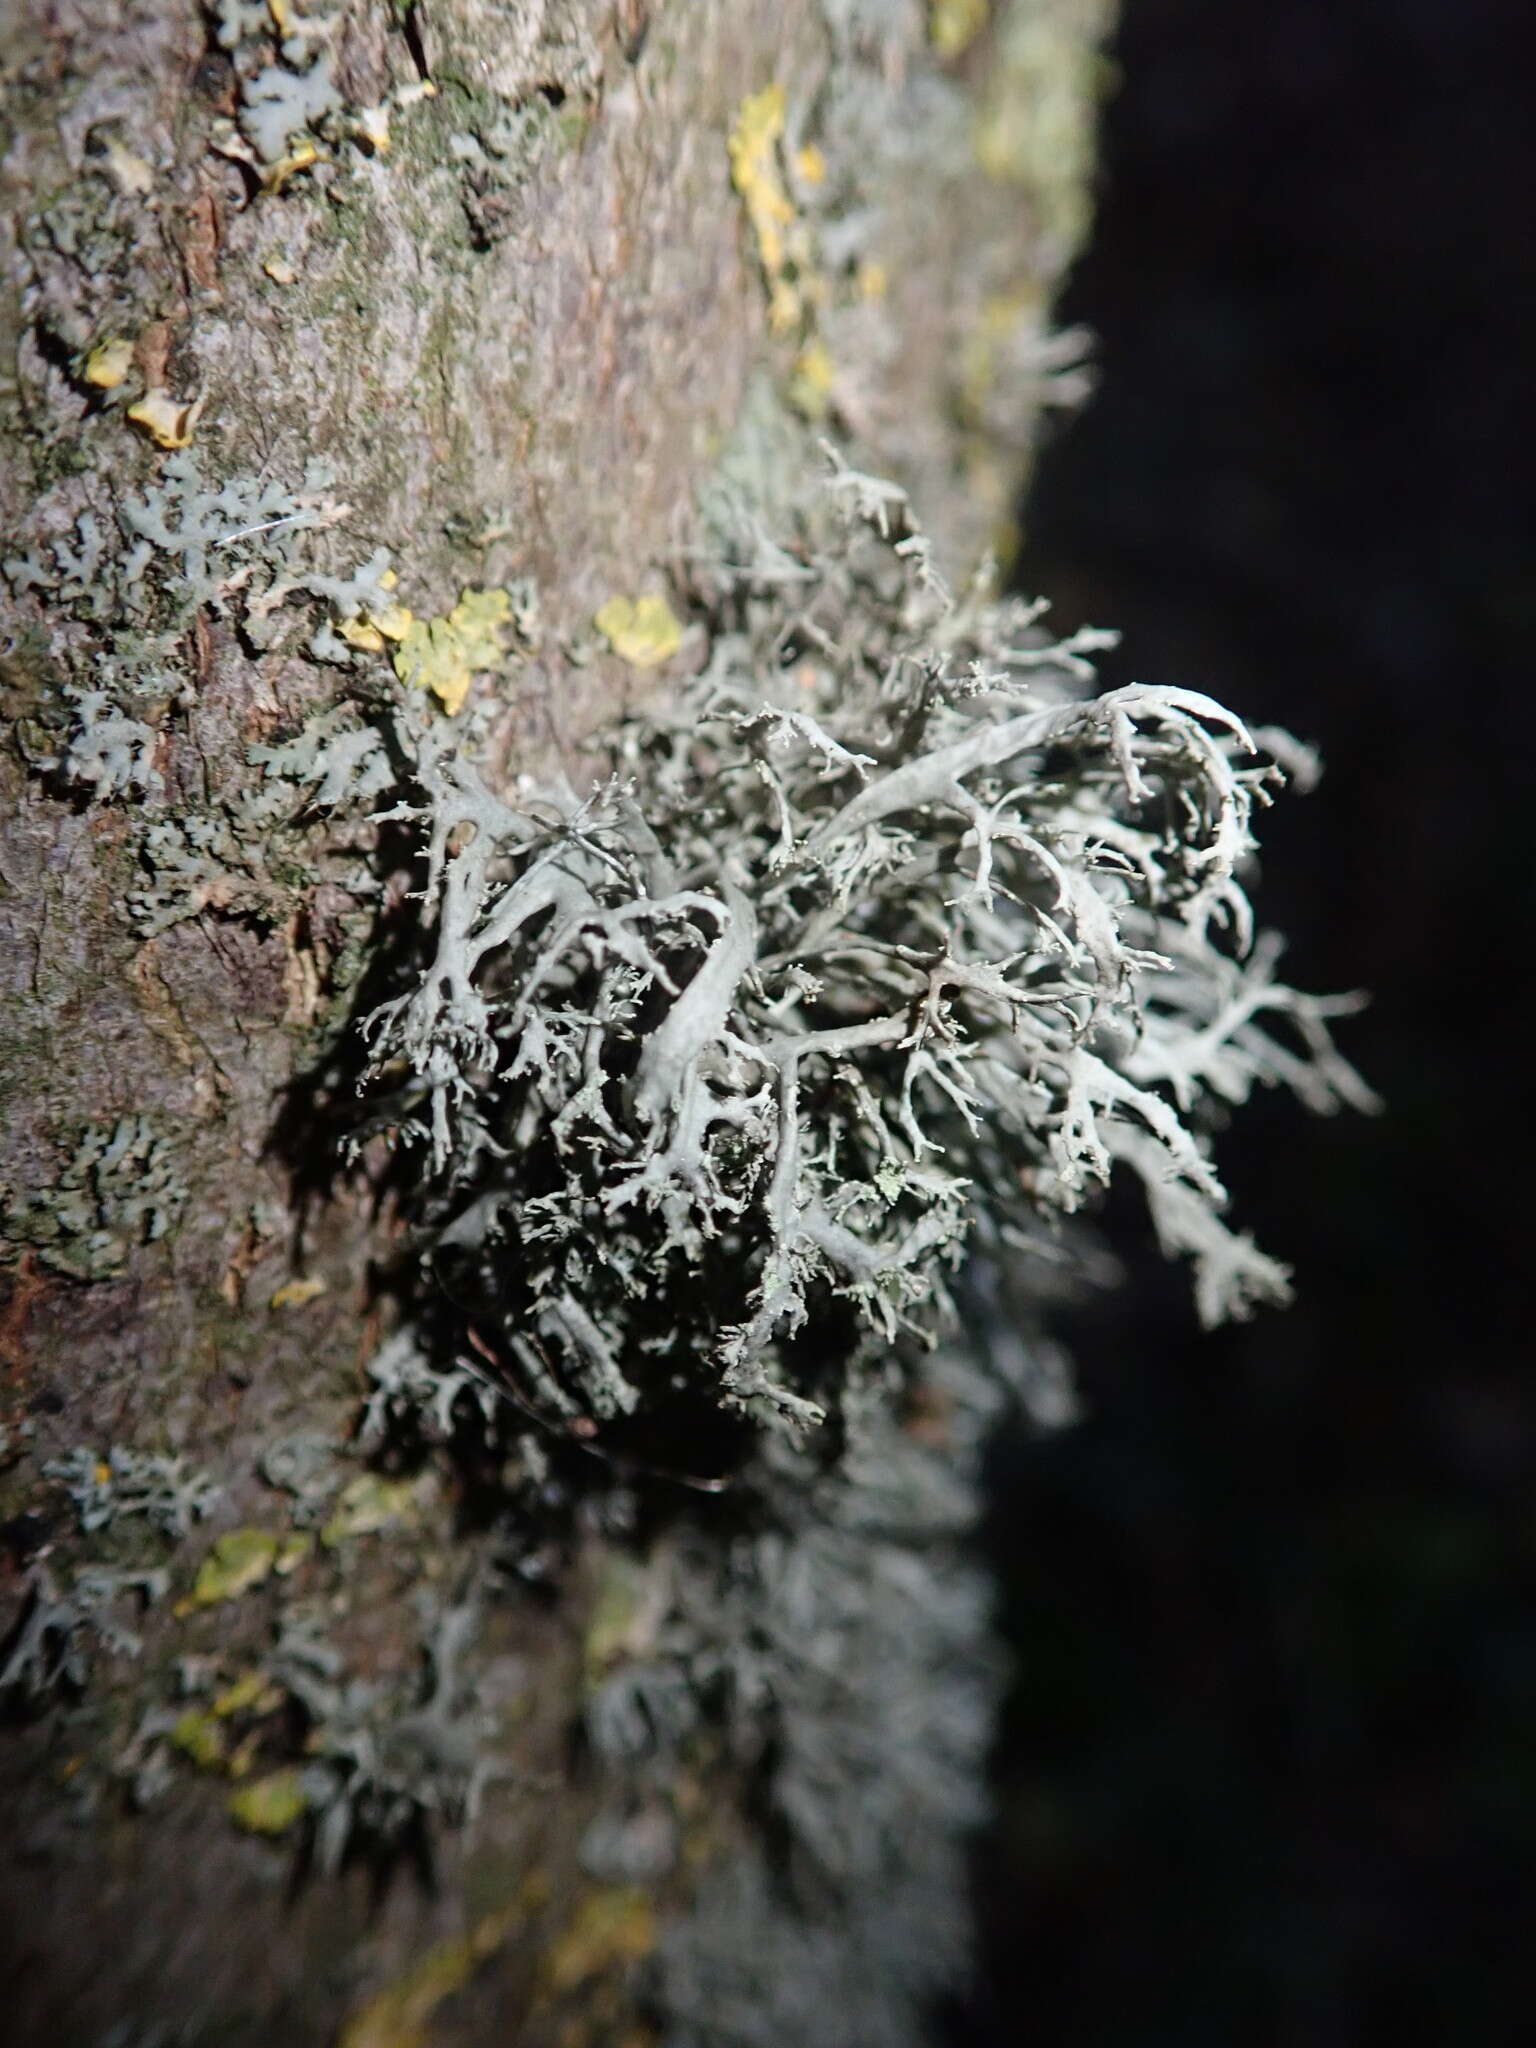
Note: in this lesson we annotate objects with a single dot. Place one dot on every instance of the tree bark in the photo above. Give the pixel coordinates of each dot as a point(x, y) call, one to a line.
point(500, 286)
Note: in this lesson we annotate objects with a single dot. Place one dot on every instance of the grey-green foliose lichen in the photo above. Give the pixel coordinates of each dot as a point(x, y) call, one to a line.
point(119, 1188)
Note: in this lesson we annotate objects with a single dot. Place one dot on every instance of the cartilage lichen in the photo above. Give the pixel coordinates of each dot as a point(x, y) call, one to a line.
point(885, 937)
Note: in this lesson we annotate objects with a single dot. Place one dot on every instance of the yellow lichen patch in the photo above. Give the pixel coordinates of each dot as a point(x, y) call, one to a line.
point(237, 1562)
point(369, 630)
point(953, 25)
point(643, 631)
point(478, 618)
point(398, 2016)
point(631, 1598)
point(810, 164)
point(201, 1739)
point(167, 420)
point(302, 157)
point(279, 271)
point(254, 1692)
point(132, 176)
point(810, 381)
point(441, 655)
point(269, 1805)
point(609, 1929)
point(202, 1736)
point(1035, 128)
point(998, 325)
point(109, 363)
point(873, 281)
point(368, 1504)
point(294, 1293)
point(430, 657)
point(754, 154)
point(241, 1759)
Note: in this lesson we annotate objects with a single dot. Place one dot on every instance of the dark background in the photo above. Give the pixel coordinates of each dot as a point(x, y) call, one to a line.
point(1268, 1772)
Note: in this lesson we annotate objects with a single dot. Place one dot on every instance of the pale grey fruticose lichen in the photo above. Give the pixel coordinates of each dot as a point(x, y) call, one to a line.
point(885, 937)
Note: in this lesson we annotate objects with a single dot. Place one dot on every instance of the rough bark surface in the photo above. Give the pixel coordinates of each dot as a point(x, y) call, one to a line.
point(518, 337)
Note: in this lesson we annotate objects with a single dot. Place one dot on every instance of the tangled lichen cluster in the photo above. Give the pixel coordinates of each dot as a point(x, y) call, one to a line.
point(884, 936)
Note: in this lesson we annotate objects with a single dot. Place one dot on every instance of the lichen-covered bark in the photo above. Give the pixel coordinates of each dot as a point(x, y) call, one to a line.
point(517, 334)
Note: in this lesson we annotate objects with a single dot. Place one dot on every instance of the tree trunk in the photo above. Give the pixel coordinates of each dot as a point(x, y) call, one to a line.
point(466, 281)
